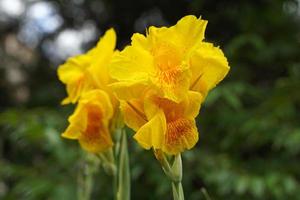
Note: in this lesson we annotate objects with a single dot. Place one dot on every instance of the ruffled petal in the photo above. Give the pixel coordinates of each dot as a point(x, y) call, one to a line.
point(140, 41)
point(77, 123)
point(190, 32)
point(89, 123)
point(132, 64)
point(73, 68)
point(184, 36)
point(209, 66)
point(102, 55)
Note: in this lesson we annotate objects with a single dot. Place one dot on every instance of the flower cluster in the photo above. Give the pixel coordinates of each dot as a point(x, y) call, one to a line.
point(159, 82)
point(87, 79)
point(162, 79)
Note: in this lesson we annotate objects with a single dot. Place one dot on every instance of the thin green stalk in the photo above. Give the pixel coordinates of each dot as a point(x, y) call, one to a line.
point(173, 171)
point(205, 193)
point(85, 182)
point(123, 170)
point(177, 191)
point(177, 188)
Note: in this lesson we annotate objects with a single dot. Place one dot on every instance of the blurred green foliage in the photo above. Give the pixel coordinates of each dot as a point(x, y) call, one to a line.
point(249, 126)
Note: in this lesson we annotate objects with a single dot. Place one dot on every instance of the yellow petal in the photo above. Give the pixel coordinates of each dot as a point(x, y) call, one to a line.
point(140, 41)
point(100, 98)
point(192, 104)
point(181, 135)
point(96, 142)
point(190, 32)
point(89, 123)
point(73, 68)
point(129, 90)
point(133, 114)
point(96, 137)
point(173, 83)
point(132, 64)
point(72, 132)
point(171, 109)
point(88, 71)
point(73, 74)
point(78, 123)
point(107, 43)
point(209, 66)
point(152, 133)
point(102, 55)
point(184, 36)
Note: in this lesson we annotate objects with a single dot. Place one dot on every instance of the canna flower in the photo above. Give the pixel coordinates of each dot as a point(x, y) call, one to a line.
point(88, 71)
point(162, 124)
point(169, 61)
point(89, 124)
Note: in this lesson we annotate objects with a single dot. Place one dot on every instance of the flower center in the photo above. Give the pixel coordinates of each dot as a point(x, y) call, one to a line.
point(172, 110)
point(94, 122)
point(166, 56)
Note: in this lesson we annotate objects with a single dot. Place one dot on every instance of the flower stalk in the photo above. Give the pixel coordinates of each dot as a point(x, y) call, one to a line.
point(87, 169)
point(85, 181)
point(123, 192)
point(172, 166)
point(116, 164)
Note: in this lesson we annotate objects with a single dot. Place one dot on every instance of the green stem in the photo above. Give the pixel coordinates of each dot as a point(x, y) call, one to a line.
point(173, 171)
point(123, 192)
point(177, 191)
point(85, 182)
point(176, 178)
point(205, 193)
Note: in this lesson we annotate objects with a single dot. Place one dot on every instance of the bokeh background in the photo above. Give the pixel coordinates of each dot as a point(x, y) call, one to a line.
point(249, 146)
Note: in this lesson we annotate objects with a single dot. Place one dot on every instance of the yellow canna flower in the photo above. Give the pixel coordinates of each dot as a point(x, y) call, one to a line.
point(89, 124)
point(88, 71)
point(170, 61)
point(162, 124)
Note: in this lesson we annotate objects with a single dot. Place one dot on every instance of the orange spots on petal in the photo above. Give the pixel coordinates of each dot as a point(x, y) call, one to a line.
point(181, 134)
point(171, 109)
point(94, 124)
point(170, 76)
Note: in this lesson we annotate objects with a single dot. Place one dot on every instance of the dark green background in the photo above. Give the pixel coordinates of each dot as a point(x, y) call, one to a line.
point(249, 126)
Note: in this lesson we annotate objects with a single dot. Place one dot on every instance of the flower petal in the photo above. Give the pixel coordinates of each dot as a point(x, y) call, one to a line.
point(131, 64)
point(100, 98)
point(102, 55)
point(209, 66)
point(97, 141)
point(192, 104)
point(78, 123)
point(140, 41)
point(133, 114)
point(174, 83)
point(181, 134)
point(190, 32)
point(152, 133)
point(130, 89)
point(73, 68)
